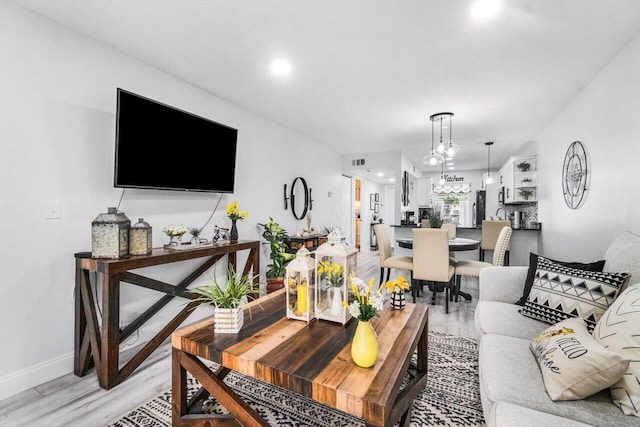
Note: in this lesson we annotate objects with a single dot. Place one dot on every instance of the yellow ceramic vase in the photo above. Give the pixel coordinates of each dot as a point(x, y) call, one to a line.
point(364, 347)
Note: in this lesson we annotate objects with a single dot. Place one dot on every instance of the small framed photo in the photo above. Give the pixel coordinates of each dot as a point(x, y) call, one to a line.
point(377, 197)
point(372, 200)
point(376, 208)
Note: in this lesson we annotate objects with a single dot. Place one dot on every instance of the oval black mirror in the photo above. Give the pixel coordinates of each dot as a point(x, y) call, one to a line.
point(299, 198)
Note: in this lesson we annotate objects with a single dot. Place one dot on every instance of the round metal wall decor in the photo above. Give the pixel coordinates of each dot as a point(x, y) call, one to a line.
point(574, 175)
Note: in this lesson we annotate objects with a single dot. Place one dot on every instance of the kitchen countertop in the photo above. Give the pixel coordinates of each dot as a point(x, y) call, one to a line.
point(468, 228)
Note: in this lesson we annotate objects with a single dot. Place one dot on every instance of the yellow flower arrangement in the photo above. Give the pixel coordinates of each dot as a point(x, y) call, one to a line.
point(333, 271)
point(400, 284)
point(234, 213)
point(367, 302)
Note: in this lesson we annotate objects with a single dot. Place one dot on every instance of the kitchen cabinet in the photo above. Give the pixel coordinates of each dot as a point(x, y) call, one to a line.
point(518, 180)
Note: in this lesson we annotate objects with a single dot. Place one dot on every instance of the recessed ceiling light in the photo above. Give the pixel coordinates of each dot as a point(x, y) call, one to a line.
point(380, 174)
point(392, 180)
point(280, 67)
point(449, 163)
point(484, 9)
point(451, 168)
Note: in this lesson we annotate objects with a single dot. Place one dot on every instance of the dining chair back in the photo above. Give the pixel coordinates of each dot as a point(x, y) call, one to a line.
point(385, 251)
point(490, 232)
point(431, 261)
point(469, 268)
point(451, 228)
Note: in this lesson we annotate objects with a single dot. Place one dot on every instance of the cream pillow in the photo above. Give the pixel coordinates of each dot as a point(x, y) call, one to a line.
point(619, 331)
point(573, 364)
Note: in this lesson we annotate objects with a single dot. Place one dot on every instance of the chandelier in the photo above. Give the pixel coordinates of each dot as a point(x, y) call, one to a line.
point(436, 156)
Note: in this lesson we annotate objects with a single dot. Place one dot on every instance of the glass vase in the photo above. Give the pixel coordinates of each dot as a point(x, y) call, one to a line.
point(364, 347)
point(233, 234)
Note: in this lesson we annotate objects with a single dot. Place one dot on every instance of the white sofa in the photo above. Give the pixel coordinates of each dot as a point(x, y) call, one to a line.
point(511, 385)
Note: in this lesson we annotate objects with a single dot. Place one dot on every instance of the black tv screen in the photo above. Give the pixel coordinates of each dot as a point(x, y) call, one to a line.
point(162, 147)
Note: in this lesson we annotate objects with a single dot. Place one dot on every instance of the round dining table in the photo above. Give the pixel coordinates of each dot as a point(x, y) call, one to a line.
point(457, 244)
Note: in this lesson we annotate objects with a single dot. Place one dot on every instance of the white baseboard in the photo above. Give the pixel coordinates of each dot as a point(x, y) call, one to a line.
point(22, 380)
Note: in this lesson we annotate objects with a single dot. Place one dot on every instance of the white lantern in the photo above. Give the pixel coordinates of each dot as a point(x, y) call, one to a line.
point(335, 262)
point(300, 282)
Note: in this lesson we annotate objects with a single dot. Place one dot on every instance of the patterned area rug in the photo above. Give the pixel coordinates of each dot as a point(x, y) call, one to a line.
point(451, 397)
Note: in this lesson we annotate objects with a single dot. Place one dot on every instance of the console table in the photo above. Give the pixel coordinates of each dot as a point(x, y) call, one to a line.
point(96, 343)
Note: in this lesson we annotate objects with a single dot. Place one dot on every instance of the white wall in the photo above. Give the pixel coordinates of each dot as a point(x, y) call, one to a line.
point(57, 107)
point(605, 119)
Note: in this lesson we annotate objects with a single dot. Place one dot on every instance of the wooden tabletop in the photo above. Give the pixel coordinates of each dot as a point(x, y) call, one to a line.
point(314, 359)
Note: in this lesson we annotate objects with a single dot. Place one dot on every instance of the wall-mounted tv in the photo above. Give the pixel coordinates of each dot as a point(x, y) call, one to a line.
point(165, 148)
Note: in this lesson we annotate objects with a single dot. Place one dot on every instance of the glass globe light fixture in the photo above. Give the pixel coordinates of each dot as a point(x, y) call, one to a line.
point(489, 178)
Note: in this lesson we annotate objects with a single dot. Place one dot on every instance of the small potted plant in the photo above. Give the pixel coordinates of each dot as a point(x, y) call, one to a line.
point(195, 234)
point(228, 301)
point(278, 240)
point(523, 166)
point(525, 193)
point(527, 181)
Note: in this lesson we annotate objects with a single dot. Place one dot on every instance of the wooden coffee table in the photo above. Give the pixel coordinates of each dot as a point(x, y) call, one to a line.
point(312, 359)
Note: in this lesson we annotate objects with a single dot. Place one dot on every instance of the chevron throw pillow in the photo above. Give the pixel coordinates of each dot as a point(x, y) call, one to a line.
point(561, 292)
point(619, 330)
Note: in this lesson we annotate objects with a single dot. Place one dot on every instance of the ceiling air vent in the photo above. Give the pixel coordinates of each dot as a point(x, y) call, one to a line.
point(357, 162)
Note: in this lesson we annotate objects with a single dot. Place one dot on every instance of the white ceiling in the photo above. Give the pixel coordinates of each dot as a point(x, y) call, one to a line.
point(367, 74)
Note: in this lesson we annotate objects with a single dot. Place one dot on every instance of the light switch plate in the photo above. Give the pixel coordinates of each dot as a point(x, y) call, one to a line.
point(52, 209)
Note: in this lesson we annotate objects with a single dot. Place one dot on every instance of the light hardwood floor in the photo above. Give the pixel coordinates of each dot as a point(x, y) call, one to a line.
point(75, 401)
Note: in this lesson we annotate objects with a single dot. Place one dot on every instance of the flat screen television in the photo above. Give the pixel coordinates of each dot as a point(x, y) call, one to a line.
point(165, 148)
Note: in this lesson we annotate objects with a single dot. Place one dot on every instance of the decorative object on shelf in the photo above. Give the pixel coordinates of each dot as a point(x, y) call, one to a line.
point(110, 234)
point(575, 173)
point(527, 181)
point(525, 193)
point(140, 238)
point(278, 240)
point(335, 261)
point(195, 235)
point(366, 305)
point(488, 179)
point(228, 302)
point(300, 280)
point(175, 233)
point(524, 166)
point(220, 233)
point(233, 212)
point(436, 156)
point(397, 288)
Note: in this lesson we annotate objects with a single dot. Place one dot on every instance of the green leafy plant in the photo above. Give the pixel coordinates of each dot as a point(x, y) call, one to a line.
point(278, 240)
point(434, 215)
point(525, 193)
point(231, 296)
point(195, 232)
point(524, 166)
point(451, 200)
point(527, 180)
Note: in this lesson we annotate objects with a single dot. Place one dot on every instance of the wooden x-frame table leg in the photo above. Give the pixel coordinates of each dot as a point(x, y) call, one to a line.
point(212, 382)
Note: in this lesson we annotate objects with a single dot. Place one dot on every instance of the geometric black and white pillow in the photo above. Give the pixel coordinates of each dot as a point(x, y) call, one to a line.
point(560, 292)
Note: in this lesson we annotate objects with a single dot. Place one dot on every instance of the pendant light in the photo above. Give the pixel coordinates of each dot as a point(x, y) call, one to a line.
point(452, 148)
point(435, 159)
point(441, 181)
point(489, 178)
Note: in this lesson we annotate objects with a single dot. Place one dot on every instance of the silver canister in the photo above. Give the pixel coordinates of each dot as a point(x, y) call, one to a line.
point(110, 235)
point(140, 238)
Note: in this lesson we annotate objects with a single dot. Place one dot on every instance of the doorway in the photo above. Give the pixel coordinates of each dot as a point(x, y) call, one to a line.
point(357, 205)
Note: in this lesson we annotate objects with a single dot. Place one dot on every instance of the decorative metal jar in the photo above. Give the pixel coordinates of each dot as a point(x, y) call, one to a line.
point(140, 238)
point(335, 262)
point(300, 282)
point(110, 235)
